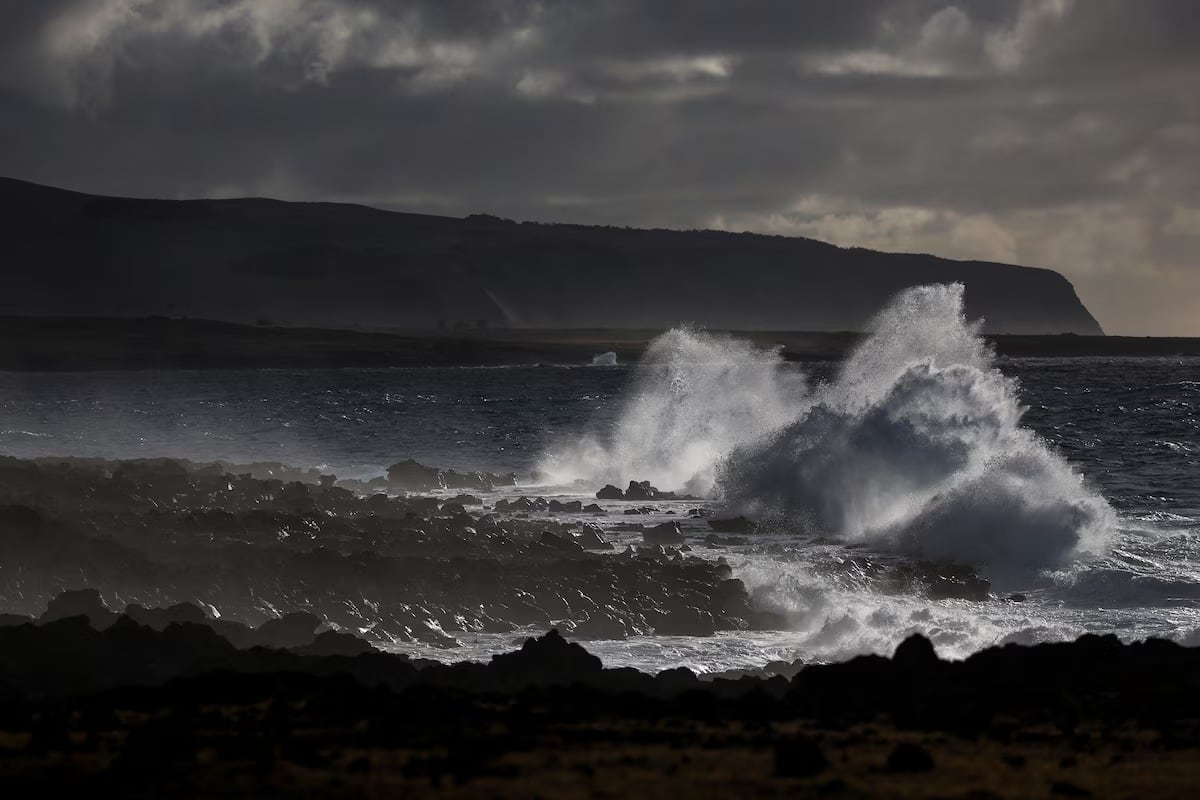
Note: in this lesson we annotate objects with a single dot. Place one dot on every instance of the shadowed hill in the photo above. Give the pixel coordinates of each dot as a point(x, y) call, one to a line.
point(335, 265)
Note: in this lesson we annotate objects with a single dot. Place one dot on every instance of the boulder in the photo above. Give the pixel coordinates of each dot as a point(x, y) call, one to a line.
point(610, 492)
point(548, 660)
point(410, 476)
point(79, 603)
point(641, 490)
point(590, 538)
point(334, 643)
point(667, 533)
point(732, 525)
point(296, 629)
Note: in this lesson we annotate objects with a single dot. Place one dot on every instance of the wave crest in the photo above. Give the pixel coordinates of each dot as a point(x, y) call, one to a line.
point(916, 445)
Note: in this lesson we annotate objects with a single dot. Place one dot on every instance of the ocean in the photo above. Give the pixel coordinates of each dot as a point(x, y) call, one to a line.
point(1072, 484)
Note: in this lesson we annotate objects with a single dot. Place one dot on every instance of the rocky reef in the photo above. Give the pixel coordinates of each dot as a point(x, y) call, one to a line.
point(251, 543)
point(388, 568)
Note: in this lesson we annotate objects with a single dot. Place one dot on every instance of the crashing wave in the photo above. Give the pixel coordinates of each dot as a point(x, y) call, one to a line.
point(916, 445)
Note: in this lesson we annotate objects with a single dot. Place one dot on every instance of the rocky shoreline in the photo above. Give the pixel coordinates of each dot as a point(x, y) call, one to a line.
point(136, 711)
point(219, 629)
point(379, 560)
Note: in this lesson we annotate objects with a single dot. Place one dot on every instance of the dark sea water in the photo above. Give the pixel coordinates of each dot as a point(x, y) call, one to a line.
point(1131, 427)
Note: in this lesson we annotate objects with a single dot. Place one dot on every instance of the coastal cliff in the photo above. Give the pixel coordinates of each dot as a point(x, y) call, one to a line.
point(336, 265)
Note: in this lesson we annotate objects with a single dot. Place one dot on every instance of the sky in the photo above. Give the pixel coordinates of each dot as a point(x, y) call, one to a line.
point(1054, 133)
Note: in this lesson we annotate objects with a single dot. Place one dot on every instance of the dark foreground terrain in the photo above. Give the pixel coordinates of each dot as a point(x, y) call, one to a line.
point(84, 343)
point(201, 630)
point(130, 711)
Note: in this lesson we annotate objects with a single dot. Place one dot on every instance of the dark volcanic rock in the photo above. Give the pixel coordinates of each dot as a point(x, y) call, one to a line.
point(666, 533)
point(549, 660)
point(85, 603)
point(732, 525)
point(297, 629)
point(410, 476)
point(334, 643)
point(641, 490)
point(610, 492)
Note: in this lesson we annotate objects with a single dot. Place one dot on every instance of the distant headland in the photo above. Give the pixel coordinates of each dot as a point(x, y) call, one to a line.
point(329, 265)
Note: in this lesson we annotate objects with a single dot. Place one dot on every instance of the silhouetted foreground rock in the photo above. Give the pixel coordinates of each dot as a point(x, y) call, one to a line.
point(131, 710)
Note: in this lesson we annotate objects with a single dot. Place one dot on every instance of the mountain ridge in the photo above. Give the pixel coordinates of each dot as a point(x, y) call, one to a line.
point(340, 264)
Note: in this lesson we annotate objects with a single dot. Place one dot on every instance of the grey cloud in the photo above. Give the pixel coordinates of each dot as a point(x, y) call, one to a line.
point(1062, 133)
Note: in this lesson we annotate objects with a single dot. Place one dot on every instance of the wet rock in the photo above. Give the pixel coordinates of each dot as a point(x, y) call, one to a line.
point(666, 533)
point(610, 492)
point(560, 543)
point(591, 539)
point(730, 599)
point(293, 630)
point(732, 525)
point(85, 603)
point(641, 490)
point(335, 643)
point(411, 476)
point(942, 580)
point(477, 481)
point(593, 508)
point(160, 618)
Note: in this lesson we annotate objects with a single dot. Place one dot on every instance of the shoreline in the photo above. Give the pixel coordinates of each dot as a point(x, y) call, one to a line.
point(46, 344)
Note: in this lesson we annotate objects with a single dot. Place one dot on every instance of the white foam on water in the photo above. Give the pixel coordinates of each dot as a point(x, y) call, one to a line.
point(694, 397)
point(916, 446)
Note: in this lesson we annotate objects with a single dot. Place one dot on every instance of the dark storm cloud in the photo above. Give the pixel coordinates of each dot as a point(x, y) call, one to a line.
point(1048, 132)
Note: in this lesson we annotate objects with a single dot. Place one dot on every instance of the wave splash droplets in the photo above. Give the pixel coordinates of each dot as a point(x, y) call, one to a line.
point(915, 446)
point(694, 398)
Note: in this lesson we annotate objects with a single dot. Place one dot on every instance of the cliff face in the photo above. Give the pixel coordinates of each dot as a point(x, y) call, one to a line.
point(66, 253)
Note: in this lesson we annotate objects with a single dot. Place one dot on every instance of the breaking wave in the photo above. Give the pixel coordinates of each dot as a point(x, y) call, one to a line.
point(916, 445)
point(693, 399)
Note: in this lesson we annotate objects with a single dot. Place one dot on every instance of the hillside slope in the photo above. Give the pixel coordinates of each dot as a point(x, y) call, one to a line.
point(334, 265)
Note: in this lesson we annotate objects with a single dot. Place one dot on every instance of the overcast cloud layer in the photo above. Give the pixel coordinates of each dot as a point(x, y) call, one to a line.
point(1046, 132)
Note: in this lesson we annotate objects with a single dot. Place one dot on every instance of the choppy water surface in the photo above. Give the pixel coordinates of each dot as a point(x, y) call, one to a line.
point(1130, 427)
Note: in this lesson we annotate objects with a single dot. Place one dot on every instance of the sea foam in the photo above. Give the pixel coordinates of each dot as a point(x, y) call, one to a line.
point(916, 445)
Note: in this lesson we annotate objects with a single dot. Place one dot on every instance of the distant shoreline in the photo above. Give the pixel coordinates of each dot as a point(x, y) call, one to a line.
point(39, 344)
